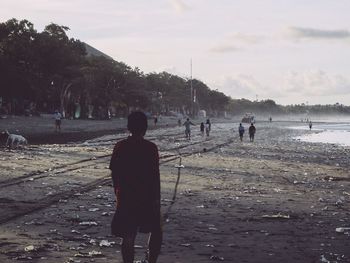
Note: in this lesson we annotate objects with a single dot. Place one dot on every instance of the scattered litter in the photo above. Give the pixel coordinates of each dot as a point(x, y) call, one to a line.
point(29, 248)
point(23, 258)
point(93, 253)
point(324, 260)
point(106, 243)
point(94, 209)
point(185, 245)
point(75, 231)
point(217, 258)
point(88, 223)
point(200, 206)
point(342, 229)
point(279, 215)
point(209, 245)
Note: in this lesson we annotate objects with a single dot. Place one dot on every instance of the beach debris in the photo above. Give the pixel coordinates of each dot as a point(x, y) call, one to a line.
point(88, 223)
point(216, 258)
point(200, 206)
point(106, 243)
point(277, 216)
point(29, 248)
point(94, 209)
point(185, 245)
point(90, 254)
point(339, 202)
point(23, 258)
point(138, 246)
point(75, 231)
point(209, 245)
point(324, 260)
point(342, 229)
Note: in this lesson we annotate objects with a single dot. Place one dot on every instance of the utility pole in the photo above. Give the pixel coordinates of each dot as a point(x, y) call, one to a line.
point(191, 92)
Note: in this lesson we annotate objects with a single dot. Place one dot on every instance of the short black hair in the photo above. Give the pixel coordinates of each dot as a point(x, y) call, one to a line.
point(137, 123)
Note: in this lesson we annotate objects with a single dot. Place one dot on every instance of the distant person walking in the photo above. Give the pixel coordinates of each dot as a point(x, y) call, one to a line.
point(310, 125)
point(241, 131)
point(58, 119)
point(209, 124)
point(136, 181)
point(202, 128)
point(155, 121)
point(252, 131)
point(179, 122)
point(207, 127)
point(187, 125)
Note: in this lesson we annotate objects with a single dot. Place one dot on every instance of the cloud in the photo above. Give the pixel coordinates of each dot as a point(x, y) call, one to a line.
point(179, 6)
point(312, 33)
point(246, 38)
point(315, 83)
point(235, 42)
point(224, 49)
point(244, 86)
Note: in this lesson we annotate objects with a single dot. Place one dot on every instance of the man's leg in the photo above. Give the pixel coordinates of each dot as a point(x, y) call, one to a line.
point(154, 245)
point(128, 248)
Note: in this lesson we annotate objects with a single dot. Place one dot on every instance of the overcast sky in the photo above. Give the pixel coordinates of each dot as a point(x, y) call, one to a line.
point(291, 51)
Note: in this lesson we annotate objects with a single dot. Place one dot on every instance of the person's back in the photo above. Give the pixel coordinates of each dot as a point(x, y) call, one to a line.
point(188, 124)
point(136, 180)
point(202, 127)
point(241, 131)
point(252, 129)
point(136, 160)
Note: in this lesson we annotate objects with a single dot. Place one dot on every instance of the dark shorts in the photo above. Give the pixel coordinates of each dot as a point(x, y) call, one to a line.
point(124, 224)
point(58, 122)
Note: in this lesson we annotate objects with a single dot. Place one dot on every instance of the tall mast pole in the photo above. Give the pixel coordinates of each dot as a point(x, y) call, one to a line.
point(191, 91)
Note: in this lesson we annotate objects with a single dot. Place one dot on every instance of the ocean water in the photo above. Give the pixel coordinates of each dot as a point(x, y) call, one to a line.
point(336, 133)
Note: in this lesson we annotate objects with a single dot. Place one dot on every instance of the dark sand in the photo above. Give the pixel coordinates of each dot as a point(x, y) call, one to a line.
point(274, 200)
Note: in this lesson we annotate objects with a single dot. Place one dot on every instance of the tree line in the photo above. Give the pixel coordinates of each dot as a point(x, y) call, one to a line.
point(44, 71)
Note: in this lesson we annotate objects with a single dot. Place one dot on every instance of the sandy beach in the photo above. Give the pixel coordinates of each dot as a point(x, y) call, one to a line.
point(277, 199)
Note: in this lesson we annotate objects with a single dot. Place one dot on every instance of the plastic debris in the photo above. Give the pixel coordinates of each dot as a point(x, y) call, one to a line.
point(94, 209)
point(217, 258)
point(279, 215)
point(29, 248)
point(106, 243)
point(342, 229)
point(90, 254)
point(324, 260)
point(88, 223)
point(185, 245)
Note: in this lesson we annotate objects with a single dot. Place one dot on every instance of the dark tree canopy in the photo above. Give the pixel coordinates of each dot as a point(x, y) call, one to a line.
point(48, 70)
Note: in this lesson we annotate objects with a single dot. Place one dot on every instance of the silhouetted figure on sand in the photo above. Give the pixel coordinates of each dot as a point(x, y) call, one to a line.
point(187, 125)
point(310, 125)
point(252, 131)
point(136, 181)
point(241, 131)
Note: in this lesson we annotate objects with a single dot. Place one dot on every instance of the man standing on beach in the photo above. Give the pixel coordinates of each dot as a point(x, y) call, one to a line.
point(136, 181)
point(58, 117)
point(241, 131)
point(188, 124)
point(252, 131)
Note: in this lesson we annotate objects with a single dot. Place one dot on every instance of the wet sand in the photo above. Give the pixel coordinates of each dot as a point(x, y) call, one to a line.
point(274, 200)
